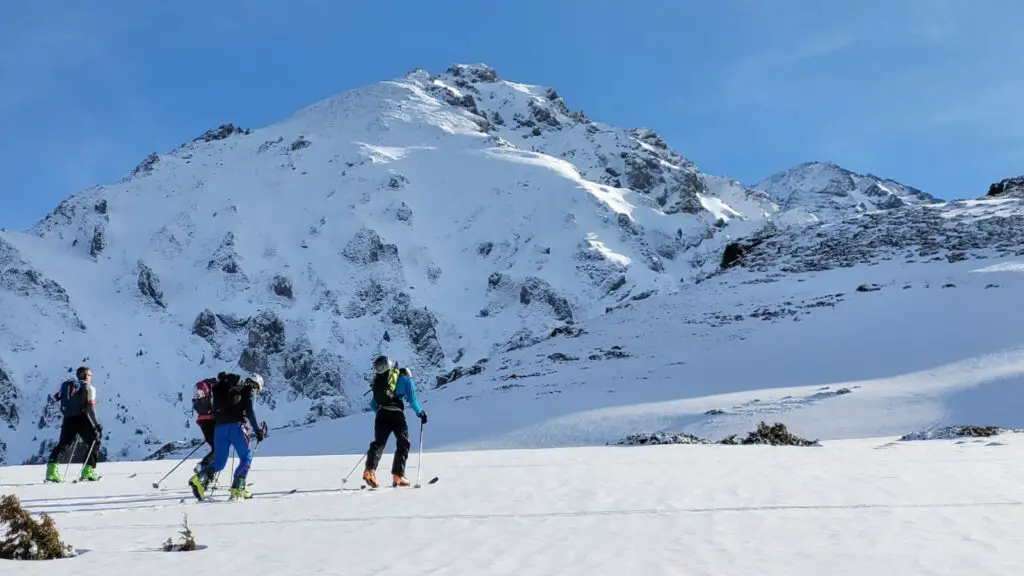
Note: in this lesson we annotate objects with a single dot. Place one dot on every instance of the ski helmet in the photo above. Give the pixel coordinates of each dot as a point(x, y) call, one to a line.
point(382, 364)
point(257, 381)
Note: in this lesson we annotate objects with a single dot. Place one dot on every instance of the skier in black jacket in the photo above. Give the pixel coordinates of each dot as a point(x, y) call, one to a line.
point(391, 385)
point(232, 408)
point(78, 404)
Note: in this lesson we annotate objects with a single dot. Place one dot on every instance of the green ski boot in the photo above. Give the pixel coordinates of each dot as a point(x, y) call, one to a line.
point(238, 489)
point(52, 475)
point(88, 474)
point(198, 486)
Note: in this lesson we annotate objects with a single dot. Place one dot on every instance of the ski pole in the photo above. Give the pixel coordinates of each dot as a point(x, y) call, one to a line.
point(189, 455)
point(419, 464)
point(345, 479)
point(88, 454)
point(74, 447)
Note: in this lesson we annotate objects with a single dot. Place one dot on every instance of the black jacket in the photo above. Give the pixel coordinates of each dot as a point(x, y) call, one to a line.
point(232, 400)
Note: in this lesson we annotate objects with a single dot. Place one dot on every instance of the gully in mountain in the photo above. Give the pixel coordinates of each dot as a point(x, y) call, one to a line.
point(77, 399)
point(232, 408)
point(390, 385)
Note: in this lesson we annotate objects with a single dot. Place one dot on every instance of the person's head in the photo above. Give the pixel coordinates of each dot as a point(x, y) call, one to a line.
point(255, 381)
point(405, 372)
point(84, 373)
point(382, 364)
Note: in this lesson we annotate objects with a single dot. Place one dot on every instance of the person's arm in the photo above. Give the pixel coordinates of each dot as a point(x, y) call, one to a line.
point(407, 388)
point(250, 412)
point(90, 406)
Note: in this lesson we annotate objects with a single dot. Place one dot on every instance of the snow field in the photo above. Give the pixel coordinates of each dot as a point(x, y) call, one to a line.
point(850, 507)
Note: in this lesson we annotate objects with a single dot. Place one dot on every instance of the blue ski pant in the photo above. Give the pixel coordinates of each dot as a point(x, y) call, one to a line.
point(226, 436)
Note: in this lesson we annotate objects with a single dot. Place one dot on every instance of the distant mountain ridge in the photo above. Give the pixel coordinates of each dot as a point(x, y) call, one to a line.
point(832, 192)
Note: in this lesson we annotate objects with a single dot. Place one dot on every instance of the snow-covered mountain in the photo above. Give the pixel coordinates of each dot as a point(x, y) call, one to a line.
point(824, 191)
point(542, 273)
point(437, 218)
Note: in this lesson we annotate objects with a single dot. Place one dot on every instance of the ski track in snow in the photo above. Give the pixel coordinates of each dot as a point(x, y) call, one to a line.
point(846, 508)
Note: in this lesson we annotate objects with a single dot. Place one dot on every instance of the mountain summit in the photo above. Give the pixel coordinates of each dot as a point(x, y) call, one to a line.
point(434, 217)
point(830, 191)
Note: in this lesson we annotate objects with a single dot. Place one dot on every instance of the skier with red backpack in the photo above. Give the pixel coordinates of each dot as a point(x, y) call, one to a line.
point(233, 397)
point(202, 404)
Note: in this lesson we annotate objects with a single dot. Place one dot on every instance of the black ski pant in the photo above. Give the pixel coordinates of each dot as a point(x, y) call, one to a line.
point(73, 426)
point(389, 422)
point(207, 426)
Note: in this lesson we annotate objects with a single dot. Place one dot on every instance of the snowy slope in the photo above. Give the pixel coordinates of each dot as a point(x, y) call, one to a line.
point(435, 217)
point(861, 329)
point(824, 191)
point(851, 507)
point(551, 280)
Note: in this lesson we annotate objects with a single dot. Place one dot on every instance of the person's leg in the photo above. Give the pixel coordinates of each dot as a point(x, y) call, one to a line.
point(68, 433)
point(381, 431)
point(400, 428)
point(91, 441)
point(240, 441)
point(207, 427)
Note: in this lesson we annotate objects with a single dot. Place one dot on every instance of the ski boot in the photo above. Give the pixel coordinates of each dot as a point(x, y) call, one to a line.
point(370, 477)
point(238, 489)
point(398, 480)
point(52, 475)
point(88, 474)
point(198, 485)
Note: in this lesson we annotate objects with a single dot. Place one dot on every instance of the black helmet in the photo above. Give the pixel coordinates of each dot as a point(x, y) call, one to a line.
point(382, 364)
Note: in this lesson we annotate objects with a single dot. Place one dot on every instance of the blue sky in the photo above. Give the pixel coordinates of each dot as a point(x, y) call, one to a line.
point(923, 91)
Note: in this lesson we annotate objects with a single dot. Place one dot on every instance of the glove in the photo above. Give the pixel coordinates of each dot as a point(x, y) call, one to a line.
point(423, 417)
point(99, 429)
point(262, 433)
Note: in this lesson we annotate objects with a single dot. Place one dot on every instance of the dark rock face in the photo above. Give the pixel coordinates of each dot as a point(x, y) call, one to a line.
point(28, 282)
point(222, 132)
point(460, 372)
point(205, 325)
point(266, 338)
point(9, 395)
point(421, 325)
point(312, 374)
point(367, 247)
point(146, 166)
point(98, 243)
point(149, 285)
point(536, 290)
point(370, 298)
point(283, 287)
point(225, 257)
point(1007, 188)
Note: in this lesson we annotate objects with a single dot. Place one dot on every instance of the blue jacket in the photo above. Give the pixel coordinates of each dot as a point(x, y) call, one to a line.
point(404, 388)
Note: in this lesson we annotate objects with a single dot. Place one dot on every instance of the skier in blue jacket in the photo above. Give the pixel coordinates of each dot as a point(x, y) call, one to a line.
point(390, 386)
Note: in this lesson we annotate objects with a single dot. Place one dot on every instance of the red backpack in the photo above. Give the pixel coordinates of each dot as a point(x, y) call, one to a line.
point(202, 400)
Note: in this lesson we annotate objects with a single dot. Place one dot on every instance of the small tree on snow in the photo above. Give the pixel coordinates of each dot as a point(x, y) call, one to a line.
point(27, 538)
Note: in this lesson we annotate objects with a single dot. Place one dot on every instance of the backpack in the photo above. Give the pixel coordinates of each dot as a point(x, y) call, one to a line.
point(70, 403)
point(383, 387)
point(202, 399)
